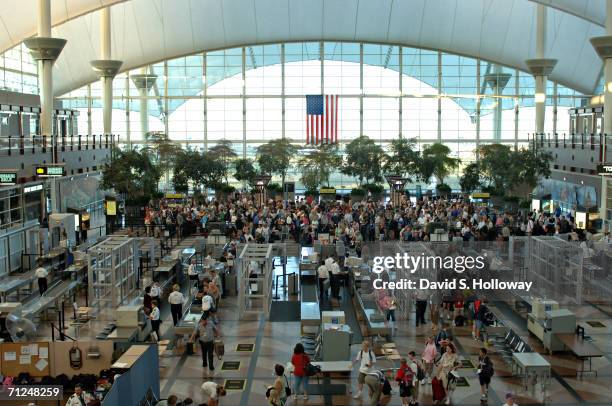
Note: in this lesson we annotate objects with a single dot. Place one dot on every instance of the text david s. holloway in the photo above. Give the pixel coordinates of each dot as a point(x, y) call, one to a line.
point(452, 284)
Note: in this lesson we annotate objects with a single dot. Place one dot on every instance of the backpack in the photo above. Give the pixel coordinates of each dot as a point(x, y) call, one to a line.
point(408, 376)
point(420, 375)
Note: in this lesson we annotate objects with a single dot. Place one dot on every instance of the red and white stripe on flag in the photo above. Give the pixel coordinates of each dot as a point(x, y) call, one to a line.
point(322, 119)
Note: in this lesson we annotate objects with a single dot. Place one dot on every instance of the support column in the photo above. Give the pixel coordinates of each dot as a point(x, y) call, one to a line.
point(603, 47)
point(497, 81)
point(106, 68)
point(540, 68)
point(144, 82)
point(46, 50)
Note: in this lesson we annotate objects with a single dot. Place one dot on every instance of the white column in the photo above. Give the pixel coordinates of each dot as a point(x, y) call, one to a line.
point(143, 92)
point(46, 66)
point(46, 50)
point(107, 82)
point(540, 68)
point(540, 80)
point(106, 69)
point(603, 47)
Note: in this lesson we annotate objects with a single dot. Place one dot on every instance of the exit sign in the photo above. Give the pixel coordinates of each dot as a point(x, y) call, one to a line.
point(50, 171)
point(604, 170)
point(8, 178)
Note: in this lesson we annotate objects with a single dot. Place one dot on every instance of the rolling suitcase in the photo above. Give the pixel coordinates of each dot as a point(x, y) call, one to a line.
point(437, 390)
point(219, 348)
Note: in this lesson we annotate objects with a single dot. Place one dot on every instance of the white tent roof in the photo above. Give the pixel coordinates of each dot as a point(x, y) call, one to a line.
point(146, 31)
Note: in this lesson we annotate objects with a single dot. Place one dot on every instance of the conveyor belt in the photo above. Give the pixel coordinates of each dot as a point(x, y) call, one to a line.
point(37, 304)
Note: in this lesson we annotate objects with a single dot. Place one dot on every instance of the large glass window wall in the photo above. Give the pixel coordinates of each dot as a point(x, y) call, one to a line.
point(250, 95)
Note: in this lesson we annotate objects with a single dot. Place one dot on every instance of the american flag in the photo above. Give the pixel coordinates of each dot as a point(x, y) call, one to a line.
point(322, 119)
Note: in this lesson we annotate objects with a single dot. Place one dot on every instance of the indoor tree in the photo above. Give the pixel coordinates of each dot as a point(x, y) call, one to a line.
point(274, 157)
point(162, 151)
point(531, 165)
point(363, 160)
point(436, 161)
point(245, 171)
point(133, 175)
point(470, 180)
point(225, 154)
point(317, 165)
point(402, 159)
point(497, 167)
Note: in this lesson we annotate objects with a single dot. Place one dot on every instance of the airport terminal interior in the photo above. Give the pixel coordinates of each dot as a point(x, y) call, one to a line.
point(290, 202)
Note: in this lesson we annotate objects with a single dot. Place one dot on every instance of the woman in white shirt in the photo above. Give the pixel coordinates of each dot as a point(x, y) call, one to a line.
point(156, 293)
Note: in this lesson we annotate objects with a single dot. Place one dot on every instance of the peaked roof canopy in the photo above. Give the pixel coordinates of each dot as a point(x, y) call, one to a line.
point(146, 31)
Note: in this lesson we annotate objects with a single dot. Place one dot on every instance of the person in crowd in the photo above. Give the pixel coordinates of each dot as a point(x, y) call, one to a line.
point(279, 391)
point(379, 387)
point(155, 318)
point(147, 300)
point(366, 359)
point(205, 331)
point(171, 401)
point(79, 397)
point(215, 293)
point(208, 302)
point(430, 352)
point(335, 273)
point(485, 372)
point(176, 300)
point(510, 400)
point(323, 278)
point(192, 271)
point(41, 275)
point(417, 368)
point(421, 296)
point(479, 319)
point(212, 391)
point(390, 306)
point(156, 292)
point(300, 359)
point(406, 377)
point(448, 363)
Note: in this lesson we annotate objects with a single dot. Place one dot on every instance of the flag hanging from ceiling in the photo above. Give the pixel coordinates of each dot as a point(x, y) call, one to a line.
point(322, 119)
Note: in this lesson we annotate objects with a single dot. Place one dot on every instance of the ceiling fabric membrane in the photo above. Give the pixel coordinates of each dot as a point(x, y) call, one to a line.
point(146, 31)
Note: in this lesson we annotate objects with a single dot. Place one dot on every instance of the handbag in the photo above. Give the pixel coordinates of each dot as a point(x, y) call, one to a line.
point(287, 388)
point(310, 369)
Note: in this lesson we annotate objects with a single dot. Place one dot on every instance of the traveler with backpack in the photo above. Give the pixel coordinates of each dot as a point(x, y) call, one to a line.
point(366, 359)
point(419, 376)
point(407, 380)
point(279, 393)
point(485, 372)
point(480, 319)
point(429, 357)
point(299, 361)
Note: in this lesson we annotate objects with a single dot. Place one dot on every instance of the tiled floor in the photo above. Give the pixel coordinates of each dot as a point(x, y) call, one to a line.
point(183, 375)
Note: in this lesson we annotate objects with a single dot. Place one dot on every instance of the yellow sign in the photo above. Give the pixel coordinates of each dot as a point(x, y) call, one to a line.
point(327, 191)
point(481, 196)
point(174, 196)
point(111, 208)
point(40, 171)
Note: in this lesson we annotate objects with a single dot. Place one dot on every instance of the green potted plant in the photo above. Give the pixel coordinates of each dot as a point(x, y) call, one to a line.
point(358, 193)
point(442, 189)
point(274, 190)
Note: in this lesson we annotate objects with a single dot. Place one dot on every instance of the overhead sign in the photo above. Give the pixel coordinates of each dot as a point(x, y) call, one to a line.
point(8, 178)
point(327, 191)
point(604, 170)
point(49, 171)
point(481, 195)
